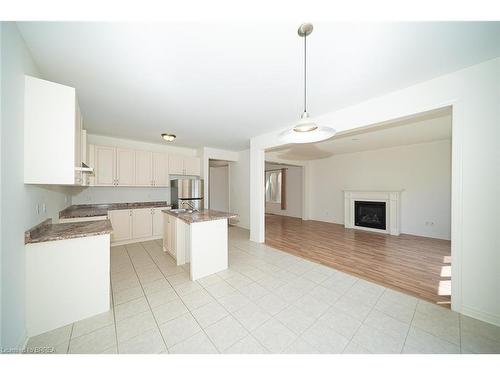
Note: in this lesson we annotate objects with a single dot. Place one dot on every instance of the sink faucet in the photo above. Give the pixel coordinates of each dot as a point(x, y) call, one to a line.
point(190, 206)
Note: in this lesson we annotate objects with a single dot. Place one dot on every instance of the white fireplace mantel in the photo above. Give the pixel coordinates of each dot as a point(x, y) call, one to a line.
point(392, 201)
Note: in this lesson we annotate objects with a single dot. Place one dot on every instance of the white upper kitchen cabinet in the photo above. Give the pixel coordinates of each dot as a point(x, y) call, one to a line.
point(144, 168)
point(125, 167)
point(52, 131)
point(192, 166)
point(160, 169)
point(176, 164)
point(184, 165)
point(104, 165)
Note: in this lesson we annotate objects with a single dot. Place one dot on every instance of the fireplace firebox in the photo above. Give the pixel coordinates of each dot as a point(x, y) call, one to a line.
point(370, 214)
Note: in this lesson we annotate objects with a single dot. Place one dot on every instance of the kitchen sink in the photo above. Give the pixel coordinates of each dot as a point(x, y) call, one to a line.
point(181, 210)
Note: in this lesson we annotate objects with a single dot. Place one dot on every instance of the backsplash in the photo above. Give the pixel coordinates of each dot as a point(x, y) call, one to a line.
point(104, 194)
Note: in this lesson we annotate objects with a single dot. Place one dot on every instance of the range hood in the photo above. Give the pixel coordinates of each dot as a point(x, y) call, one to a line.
point(85, 168)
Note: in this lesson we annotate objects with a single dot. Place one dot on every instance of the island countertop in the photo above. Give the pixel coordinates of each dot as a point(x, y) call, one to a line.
point(95, 210)
point(201, 215)
point(46, 231)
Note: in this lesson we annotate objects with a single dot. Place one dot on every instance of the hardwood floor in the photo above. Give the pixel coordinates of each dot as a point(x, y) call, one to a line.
point(419, 266)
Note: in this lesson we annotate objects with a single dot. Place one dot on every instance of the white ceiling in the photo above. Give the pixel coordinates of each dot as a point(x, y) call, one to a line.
point(428, 127)
point(220, 84)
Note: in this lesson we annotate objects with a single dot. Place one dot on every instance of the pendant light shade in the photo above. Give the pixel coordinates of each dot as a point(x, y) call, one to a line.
point(306, 130)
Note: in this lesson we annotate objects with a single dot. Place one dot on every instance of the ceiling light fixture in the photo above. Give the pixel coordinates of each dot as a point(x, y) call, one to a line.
point(306, 130)
point(168, 137)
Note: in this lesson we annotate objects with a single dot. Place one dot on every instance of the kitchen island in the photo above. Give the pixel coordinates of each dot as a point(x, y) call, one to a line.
point(199, 238)
point(67, 273)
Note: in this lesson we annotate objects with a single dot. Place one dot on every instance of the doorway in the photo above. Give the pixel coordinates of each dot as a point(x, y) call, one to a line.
point(218, 190)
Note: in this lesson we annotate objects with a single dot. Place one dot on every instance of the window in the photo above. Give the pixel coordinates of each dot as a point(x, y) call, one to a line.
point(273, 186)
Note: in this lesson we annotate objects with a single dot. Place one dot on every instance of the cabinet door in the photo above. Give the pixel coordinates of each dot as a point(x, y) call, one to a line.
point(160, 169)
point(192, 166)
point(104, 165)
point(158, 221)
point(121, 221)
point(166, 235)
point(125, 166)
point(173, 236)
point(143, 168)
point(142, 223)
point(175, 164)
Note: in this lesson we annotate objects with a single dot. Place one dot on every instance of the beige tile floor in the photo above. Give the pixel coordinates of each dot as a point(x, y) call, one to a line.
point(266, 302)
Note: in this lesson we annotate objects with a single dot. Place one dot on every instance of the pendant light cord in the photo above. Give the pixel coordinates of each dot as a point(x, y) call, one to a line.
point(305, 73)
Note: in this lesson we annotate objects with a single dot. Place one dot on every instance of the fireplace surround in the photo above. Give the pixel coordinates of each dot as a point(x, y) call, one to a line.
point(376, 211)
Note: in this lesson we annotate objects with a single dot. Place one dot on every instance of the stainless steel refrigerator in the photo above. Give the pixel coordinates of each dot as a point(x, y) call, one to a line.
point(187, 193)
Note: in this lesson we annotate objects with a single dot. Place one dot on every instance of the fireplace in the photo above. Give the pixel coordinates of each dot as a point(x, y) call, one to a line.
point(369, 214)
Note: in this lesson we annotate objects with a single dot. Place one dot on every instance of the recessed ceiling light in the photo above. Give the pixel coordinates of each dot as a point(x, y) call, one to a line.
point(168, 137)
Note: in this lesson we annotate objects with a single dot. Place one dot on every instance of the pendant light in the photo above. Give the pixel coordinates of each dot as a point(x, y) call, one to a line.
point(306, 130)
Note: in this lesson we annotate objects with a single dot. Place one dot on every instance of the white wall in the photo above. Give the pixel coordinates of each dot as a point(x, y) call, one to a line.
point(474, 94)
point(423, 171)
point(103, 140)
point(239, 185)
point(18, 201)
point(219, 188)
point(109, 194)
point(293, 192)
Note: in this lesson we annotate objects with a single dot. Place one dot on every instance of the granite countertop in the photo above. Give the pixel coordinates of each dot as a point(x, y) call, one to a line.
point(94, 210)
point(200, 216)
point(46, 231)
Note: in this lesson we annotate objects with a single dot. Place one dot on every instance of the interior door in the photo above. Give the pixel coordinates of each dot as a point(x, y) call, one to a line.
point(144, 168)
point(176, 165)
point(121, 221)
point(104, 165)
point(142, 223)
point(125, 166)
point(160, 169)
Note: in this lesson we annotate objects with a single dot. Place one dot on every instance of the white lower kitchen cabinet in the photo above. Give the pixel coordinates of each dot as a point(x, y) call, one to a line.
point(121, 221)
point(175, 238)
point(157, 222)
point(135, 225)
point(142, 223)
point(66, 281)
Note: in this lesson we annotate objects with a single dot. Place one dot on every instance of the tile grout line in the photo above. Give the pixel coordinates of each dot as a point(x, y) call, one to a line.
point(188, 309)
point(366, 317)
point(113, 302)
point(409, 324)
point(70, 337)
point(460, 332)
point(229, 313)
point(144, 293)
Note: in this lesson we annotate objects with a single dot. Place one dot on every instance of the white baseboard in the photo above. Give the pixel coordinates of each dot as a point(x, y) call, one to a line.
point(134, 240)
point(481, 315)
